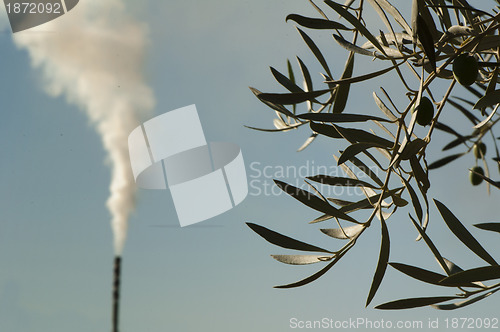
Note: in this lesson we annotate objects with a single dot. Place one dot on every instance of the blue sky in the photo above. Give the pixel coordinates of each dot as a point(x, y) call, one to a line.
point(56, 242)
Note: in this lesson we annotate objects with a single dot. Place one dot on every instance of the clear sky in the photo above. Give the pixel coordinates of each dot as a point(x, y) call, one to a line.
point(55, 238)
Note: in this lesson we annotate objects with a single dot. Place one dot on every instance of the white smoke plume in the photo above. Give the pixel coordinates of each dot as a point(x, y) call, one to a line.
point(93, 55)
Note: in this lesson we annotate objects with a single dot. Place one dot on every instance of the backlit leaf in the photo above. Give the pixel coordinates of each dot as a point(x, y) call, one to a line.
point(284, 241)
point(414, 302)
point(316, 23)
point(345, 233)
point(353, 149)
point(462, 233)
point(299, 259)
point(340, 181)
point(477, 274)
point(312, 201)
point(426, 39)
point(491, 226)
point(431, 246)
point(274, 106)
point(342, 117)
point(317, 53)
point(342, 93)
point(446, 160)
point(291, 98)
point(312, 277)
point(382, 262)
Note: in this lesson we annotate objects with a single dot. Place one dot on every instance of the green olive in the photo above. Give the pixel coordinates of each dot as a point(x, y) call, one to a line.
point(425, 111)
point(465, 69)
point(474, 178)
point(479, 150)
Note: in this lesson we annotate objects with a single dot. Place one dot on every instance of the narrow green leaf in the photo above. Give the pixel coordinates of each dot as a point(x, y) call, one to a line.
point(431, 246)
point(384, 108)
point(291, 98)
point(446, 160)
point(342, 117)
point(472, 118)
point(340, 181)
point(357, 135)
point(414, 198)
point(300, 259)
point(356, 23)
point(382, 262)
point(478, 274)
point(414, 302)
point(312, 201)
point(284, 241)
point(426, 275)
point(354, 149)
point(419, 273)
point(339, 202)
point(342, 93)
point(351, 47)
point(274, 106)
point(317, 53)
point(305, 74)
point(312, 277)
point(308, 141)
point(419, 173)
point(446, 128)
point(291, 76)
point(461, 304)
point(316, 23)
point(490, 226)
point(457, 141)
point(294, 126)
point(368, 202)
point(345, 233)
point(401, 39)
point(365, 77)
point(325, 130)
point(426, 39)
point(462, 233)
point(285, 81)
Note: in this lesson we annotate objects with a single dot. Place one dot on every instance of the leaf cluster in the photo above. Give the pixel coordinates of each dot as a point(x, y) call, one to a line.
point(420, 53)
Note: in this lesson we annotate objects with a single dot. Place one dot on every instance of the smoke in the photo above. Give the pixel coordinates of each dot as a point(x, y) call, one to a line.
point(93, 56)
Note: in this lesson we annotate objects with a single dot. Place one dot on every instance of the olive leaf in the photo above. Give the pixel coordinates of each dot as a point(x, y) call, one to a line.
point(313, 201)
point(462, 233)
point(382, 262)
point(493, 226)
point(316, 23)
point(284, 241)
point(414, 302)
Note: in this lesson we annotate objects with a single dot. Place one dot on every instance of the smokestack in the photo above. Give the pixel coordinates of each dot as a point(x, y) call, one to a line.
point(116, 292)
